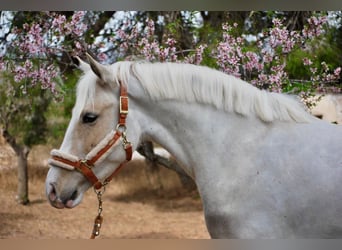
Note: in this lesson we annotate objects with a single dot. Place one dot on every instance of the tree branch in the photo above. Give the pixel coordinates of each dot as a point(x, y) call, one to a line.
point(146, 150)
point(11, 141)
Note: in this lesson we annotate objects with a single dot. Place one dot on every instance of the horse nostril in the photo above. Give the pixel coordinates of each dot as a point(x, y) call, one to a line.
point(52, 194)
point(64, 198)
point(69, 203)
point(74, 195)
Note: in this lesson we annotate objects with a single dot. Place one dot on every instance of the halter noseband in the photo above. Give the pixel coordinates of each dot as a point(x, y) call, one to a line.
point(101, 150)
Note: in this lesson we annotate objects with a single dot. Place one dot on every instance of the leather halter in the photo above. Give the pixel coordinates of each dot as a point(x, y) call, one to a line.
point(98, 153)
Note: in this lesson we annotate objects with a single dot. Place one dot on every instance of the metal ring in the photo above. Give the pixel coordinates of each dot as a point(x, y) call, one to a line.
point(100, 191)
point(121, 128)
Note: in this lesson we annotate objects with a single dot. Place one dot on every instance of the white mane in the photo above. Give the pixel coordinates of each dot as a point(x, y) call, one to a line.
point(191, 83)
point(201, 84)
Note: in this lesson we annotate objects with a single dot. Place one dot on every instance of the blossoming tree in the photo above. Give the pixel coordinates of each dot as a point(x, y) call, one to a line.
point(37, 50)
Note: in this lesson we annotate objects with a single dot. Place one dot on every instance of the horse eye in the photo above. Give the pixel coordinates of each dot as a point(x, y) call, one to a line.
point(89, 118)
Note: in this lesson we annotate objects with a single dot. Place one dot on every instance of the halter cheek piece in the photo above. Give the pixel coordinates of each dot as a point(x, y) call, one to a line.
point(101, 150)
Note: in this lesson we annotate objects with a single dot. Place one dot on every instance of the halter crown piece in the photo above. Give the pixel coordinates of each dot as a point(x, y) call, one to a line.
point(100, 151)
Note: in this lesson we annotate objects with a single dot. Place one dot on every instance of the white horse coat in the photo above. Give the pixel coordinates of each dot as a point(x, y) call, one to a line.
point(263, 166)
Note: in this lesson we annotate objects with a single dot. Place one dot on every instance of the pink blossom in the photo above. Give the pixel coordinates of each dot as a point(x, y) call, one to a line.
point(58, 22)
point(264, 65)
point(277, 22)
point(163, 54)
point(267, 57)
point(150, 27)
point(199, 54)
point(262, 77)
point(288, 46)
point(307, 61)
point(77, 17)
point(78, 45)
point(337, 72)
point(20, 73)
point(171, 42)
point(102, 57)
point(226, 27)
point(252, 61)
point(315, 26)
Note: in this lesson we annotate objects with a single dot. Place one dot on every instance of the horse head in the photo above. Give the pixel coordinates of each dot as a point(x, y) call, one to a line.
point(96, 142)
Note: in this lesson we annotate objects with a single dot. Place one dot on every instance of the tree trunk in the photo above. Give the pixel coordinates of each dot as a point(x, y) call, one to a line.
point(22, 154)
point(22, 192)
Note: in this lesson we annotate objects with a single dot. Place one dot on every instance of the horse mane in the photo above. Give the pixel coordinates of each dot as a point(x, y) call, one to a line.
point(193, 83)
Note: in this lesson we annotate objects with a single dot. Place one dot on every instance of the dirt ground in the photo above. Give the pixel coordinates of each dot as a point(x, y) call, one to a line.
point(138, 204)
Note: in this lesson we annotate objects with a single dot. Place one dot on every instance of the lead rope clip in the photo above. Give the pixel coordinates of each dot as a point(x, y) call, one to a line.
point(98, 219)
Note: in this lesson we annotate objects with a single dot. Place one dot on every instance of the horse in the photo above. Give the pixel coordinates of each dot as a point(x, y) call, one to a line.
point(264, 167)
point(328, 108)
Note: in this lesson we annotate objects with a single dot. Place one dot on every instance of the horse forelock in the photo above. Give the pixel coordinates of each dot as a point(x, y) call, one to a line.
point(86, 87)
point(85, 92)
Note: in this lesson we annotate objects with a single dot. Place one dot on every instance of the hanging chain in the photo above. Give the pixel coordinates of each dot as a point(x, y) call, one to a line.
point(98, 219)
point(99, 192)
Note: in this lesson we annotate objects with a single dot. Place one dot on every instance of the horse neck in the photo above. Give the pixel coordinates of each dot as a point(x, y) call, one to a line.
point(192, 132)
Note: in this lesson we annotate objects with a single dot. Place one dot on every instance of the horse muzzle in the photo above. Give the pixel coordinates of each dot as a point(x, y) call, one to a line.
point(66, 199)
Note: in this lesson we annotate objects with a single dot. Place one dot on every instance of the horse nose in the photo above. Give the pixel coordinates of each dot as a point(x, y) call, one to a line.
point(54, 200)
point(60, 200)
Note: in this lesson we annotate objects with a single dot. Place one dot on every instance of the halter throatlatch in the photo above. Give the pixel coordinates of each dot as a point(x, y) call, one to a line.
point(100, 151)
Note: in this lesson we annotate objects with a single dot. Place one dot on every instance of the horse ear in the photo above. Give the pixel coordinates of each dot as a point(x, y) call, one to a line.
point(81, 64)
point(102, 71)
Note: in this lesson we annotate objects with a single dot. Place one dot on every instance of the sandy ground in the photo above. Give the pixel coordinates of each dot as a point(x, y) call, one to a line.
point(137, 204)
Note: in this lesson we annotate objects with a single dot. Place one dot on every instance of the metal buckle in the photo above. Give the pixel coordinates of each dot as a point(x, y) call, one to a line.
point(125, 112)
point(85, 163)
